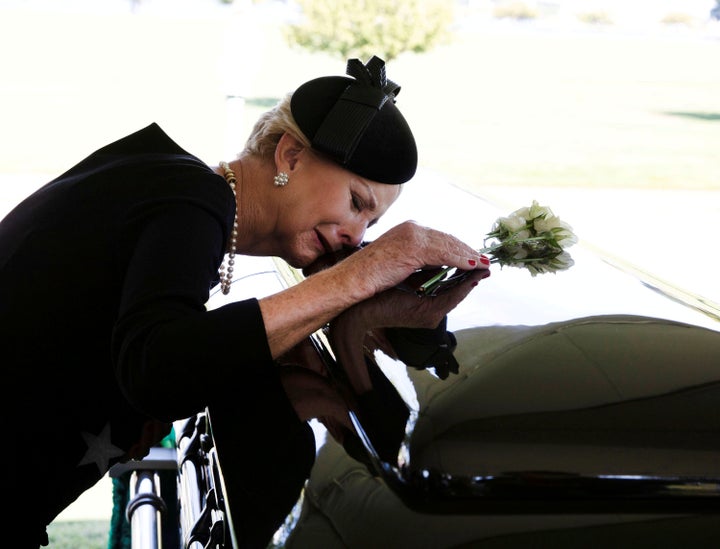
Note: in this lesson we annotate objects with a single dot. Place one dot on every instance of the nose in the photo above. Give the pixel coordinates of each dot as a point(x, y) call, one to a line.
point(352, 233)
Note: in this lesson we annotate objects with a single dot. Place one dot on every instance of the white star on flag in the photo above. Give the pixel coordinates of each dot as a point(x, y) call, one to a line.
point(100, 450)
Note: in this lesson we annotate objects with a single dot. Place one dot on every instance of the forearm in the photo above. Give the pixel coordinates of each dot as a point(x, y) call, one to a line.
point(297, 312)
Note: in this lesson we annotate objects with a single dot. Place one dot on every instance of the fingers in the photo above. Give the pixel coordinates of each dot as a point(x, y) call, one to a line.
point(436, 286)
point(303, 355)
point(435, 305)
point(462, 256)
point(313, 396)
point(408, 247)
point(438, 248)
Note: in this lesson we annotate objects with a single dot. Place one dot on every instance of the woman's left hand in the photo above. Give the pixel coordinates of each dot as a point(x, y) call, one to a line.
point(394, 308)
point(313, 396)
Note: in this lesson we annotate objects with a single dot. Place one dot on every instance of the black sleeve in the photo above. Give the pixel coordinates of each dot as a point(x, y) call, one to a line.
point(172, 356)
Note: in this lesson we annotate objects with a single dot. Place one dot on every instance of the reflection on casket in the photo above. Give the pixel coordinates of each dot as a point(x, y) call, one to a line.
point(599, 429)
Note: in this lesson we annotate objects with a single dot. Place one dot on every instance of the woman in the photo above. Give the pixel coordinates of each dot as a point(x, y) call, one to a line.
point(105, 272)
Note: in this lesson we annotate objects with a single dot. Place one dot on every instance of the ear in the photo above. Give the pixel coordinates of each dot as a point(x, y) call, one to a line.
point(287, 152)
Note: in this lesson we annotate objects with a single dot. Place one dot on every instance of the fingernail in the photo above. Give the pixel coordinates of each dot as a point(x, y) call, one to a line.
point(484, 260)
point(475, 283)
point(472, 262)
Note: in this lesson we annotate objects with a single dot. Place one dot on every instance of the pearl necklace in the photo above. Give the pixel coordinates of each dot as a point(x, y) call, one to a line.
point(227, 274)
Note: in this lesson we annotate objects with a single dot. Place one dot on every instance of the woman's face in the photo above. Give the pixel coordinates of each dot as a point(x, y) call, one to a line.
point(327, 208)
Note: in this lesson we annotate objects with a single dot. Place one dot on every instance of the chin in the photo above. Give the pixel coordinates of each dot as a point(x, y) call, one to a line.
point(297, 262)
point(301, 258)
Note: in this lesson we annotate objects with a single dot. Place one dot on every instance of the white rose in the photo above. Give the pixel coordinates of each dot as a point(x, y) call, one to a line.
point(512, 224)
point(536, 211)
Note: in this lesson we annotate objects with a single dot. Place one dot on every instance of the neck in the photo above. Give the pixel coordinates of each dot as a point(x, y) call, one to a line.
point(254, 203)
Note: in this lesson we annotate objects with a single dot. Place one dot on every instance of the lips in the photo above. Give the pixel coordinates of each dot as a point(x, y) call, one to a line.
point(323, 242)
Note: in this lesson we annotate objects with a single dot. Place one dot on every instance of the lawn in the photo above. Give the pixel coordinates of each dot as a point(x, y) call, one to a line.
point(79, 534)
point(568, 110)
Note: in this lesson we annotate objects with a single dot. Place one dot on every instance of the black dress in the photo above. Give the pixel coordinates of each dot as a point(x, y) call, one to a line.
point(104, 276)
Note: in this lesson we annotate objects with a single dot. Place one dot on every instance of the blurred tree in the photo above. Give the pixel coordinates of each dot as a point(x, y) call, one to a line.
point(363, 28)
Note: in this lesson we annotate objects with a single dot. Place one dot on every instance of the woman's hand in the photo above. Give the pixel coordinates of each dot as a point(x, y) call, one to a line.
point(311, 392)
point(405, 249)
point(362, 324)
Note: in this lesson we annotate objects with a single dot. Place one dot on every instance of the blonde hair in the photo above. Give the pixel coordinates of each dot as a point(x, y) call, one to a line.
point(270, 127)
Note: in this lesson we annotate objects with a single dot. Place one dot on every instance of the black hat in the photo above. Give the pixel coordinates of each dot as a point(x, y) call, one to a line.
point(356, 123)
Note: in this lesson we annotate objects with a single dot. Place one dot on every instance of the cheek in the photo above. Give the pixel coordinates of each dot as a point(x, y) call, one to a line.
point(333, 207)
point(320, 201)
point(302, 220)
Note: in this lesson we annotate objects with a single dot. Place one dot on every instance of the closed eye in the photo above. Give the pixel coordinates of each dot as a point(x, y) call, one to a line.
point(357, 203)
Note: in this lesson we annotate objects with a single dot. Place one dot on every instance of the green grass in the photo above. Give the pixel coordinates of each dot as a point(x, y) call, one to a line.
point(91, 534)
point(592, 110)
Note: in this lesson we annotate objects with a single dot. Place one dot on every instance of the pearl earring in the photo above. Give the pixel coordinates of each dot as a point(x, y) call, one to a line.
point(281, 179)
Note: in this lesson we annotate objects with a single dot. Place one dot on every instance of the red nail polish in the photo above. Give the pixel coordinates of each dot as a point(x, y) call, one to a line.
point(475, 283)
point(472, 262)
point(485, 261)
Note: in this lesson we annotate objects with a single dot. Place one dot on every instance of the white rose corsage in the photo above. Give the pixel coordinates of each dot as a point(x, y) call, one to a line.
point(533, 238)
